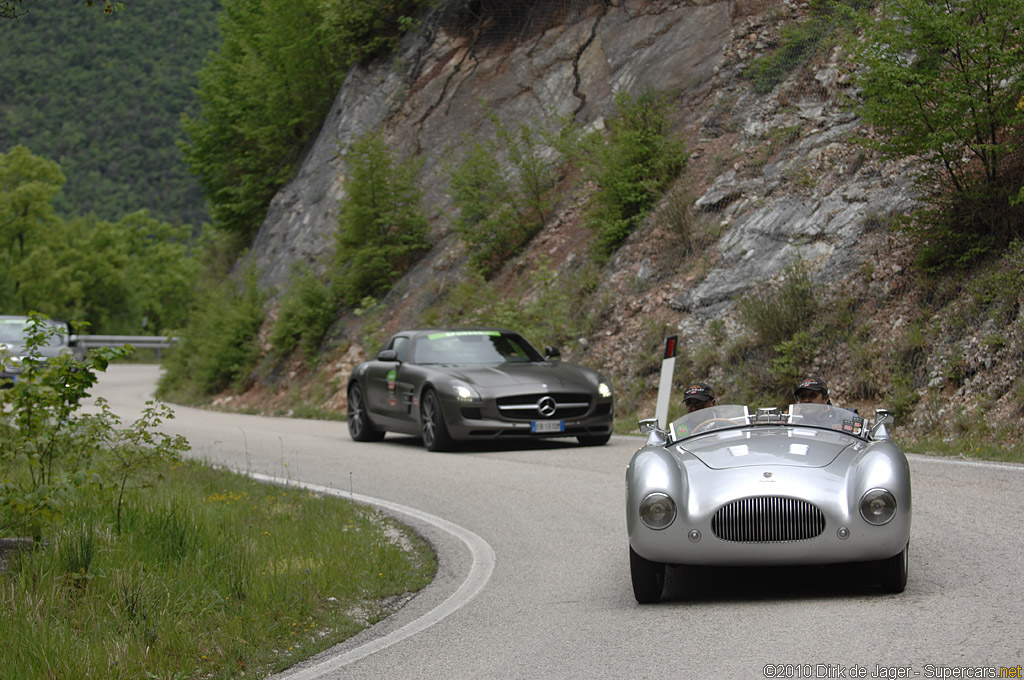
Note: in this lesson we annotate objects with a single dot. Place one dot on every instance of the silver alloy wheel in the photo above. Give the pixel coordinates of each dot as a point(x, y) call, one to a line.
point(435, 433)
point(360, 427)
point(430, 408)
point(356, 413)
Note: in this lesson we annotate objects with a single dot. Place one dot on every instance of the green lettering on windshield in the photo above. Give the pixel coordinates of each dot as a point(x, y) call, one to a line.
point(452, 334)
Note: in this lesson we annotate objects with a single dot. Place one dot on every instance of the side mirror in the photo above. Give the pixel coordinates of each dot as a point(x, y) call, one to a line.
point(551, 352)
point(883, 419)
point(655, 435)
point(387, 355)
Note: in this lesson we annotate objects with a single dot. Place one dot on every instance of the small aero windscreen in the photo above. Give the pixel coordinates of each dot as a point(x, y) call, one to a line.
point(708, 419)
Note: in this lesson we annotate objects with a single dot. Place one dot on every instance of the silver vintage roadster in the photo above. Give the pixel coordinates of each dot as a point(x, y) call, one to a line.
point(725, 487)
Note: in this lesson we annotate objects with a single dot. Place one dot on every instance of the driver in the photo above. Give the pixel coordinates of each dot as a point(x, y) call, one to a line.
point(812, 391)
point(698, 396)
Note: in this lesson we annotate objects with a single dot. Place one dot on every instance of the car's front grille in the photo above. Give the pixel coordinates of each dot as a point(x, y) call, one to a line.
point(767, 519)
point(541, 406)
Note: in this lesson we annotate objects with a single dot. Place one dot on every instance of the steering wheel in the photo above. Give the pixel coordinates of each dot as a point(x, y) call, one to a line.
point(710, 421)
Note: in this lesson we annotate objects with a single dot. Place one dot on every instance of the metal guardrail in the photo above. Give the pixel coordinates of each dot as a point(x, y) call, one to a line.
point(86, 342)
point(81, 344)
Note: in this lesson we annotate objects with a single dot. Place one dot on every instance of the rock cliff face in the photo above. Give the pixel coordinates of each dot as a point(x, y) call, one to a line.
point(569, 60)
point(772, 179)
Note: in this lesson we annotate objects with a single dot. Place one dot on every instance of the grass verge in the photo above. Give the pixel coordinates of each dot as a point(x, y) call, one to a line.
point(213, 576)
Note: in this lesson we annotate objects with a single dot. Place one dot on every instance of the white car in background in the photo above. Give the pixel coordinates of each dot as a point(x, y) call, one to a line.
point(13, 352)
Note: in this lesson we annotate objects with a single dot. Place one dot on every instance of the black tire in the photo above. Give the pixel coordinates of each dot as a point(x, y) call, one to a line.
point(892, 572)
point(360, 427)
point(648, 578)
point(593, 439)
point(435, 432)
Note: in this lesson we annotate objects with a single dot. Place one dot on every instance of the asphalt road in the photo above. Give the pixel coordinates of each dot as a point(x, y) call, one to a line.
point(534, 572)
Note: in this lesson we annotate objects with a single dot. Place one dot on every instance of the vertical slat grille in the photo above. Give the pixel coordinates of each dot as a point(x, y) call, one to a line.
point(767, 519)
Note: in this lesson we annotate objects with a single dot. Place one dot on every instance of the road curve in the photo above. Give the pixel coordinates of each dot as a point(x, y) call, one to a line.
point(556, 602)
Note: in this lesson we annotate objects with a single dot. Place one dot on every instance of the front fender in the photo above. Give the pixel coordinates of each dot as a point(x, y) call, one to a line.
point(882, 466)
point(652, 469)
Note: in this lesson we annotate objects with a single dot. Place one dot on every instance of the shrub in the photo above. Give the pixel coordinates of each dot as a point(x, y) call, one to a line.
point(219, 348)
point(632, 165)
point(775, 314)
point(502, 205)
point(799, 42)
point(50, 453)
point(306, 311)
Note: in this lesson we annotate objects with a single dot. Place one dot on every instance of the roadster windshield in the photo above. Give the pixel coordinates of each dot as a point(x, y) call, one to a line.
point(732, 415)
point(474, 347)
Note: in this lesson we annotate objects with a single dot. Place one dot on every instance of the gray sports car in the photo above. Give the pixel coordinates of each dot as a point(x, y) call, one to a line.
point(724, 487)
point(475, 384)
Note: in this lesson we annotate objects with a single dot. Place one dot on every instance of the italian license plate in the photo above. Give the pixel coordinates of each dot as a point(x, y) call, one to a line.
point(545, 426)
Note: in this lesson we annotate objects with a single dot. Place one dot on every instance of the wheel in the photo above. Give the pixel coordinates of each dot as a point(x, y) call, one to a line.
point(710, 421)
point(593, 439)
point(435, 432)
point(892, 572)
point(359, 424)
point(648, 578)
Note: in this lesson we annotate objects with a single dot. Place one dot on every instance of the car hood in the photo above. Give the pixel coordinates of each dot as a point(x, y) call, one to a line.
point(554, 375)
point(791, 446)
point(46, 351)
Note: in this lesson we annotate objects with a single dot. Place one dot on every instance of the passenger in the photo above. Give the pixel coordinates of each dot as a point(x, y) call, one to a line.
point(812, 391)
point(698, 396)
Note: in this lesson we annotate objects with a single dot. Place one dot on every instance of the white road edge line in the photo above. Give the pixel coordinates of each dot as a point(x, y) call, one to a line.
point(479, 574)
point(1017, 467)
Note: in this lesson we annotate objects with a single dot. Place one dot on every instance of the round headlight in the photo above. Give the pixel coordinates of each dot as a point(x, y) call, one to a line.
point(604, 389)
point(657, 510)
point(878, 507)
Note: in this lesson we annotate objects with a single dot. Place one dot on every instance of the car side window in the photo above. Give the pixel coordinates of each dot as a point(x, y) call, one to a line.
point(401, 346)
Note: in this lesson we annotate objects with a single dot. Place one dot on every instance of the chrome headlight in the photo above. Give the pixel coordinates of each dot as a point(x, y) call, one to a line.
point(878, 507)
point(657, 511)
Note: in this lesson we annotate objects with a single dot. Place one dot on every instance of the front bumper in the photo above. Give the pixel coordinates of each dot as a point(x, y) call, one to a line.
point(483, 421)
point(680, 545)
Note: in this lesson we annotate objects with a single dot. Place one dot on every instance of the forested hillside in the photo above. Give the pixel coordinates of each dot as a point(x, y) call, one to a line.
point(103, 96)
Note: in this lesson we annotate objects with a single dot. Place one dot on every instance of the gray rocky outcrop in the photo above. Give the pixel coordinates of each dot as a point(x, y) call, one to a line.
point(443, 83)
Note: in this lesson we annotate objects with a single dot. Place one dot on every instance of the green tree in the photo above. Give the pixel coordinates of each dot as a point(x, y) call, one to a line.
point(266, 90)
point(28, 224)
point(136, 275)
point(382, 230)
point(941, 81)
point(162, 270)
